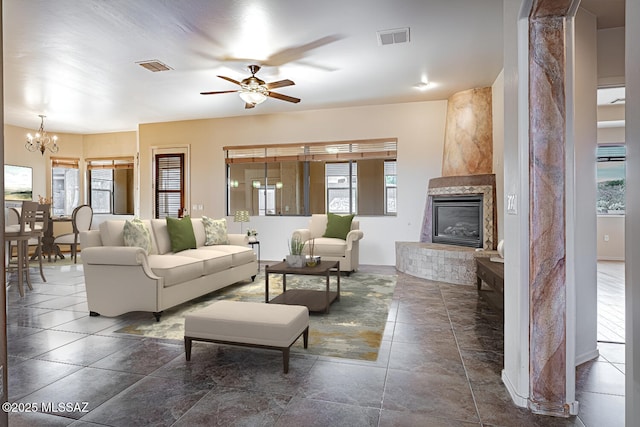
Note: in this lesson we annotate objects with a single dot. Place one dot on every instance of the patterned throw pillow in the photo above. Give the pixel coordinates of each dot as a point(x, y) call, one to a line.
point(137, 234)
point(215, 231)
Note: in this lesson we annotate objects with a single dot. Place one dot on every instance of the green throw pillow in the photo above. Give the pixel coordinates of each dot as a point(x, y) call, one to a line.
point(181, 234)
point(136, 233)
point(215, 231)
point(338, 226)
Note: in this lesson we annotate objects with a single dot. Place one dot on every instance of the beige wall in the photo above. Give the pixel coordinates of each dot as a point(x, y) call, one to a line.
point(611, 228)
point(16, 154)
point(419, 128)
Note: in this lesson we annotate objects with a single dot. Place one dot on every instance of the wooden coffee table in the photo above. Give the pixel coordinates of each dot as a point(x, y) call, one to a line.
point(314, 300)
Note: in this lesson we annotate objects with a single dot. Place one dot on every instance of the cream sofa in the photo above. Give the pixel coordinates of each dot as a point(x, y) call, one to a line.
point(332, 249)
point(120, 279)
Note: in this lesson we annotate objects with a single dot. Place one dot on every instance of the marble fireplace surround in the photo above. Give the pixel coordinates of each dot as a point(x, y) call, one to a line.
point(484, 184)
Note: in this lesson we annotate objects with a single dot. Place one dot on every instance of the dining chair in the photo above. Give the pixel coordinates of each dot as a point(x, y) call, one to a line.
point(81, 219)
point(39, 231)
point(13, 218)
point(21, 233)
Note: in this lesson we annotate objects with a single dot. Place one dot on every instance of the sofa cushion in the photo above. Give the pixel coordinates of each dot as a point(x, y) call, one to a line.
point(338, 226)
point(136, 233)
point(215, 231)
point(213, 261)
point(112, 233)
point(240, 255)
point(329, 246)
point(175, 269)
point(317, 225)
point(181, 234)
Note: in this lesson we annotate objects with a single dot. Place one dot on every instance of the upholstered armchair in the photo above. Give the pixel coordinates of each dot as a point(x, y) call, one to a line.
point(332, 248)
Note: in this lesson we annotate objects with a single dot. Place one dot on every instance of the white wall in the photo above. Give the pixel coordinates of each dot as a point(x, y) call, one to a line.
point(632, 225)
point(419, 128)
point(583, 223)
point(611, 45)
point(515, 374)
point(497, 96)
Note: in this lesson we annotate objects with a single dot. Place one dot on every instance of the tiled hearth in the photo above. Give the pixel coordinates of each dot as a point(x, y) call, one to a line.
point(442, 263)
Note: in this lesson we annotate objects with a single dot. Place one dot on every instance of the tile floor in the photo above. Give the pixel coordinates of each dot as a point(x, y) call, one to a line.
point(439, 365)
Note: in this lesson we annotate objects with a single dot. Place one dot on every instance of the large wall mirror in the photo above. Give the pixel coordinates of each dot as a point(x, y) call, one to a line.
point(300, 179)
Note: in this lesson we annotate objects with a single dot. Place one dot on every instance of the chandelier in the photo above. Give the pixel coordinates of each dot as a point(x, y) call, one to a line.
point(41, 141)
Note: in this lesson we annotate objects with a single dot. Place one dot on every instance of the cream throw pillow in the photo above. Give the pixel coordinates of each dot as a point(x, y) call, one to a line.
point(137, 234)
point(215, 231)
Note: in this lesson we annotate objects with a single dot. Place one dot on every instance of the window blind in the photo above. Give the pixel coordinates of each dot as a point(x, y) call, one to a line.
point(169, 185)
point(383, 148)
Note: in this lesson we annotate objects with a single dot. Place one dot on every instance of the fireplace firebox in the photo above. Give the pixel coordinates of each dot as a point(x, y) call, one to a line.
point(457, 220)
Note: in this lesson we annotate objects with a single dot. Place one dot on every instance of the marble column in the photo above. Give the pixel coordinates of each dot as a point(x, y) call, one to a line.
point(547, 268)
point(468, 140)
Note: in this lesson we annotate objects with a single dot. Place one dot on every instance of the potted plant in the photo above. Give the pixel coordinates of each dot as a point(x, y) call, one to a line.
point(312, 260)
point(252, 235)
point(295, 257)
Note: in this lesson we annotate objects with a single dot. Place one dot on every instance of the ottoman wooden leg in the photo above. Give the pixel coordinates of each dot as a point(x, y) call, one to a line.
point(285, 359)
point(187, 347)
point(305, 337)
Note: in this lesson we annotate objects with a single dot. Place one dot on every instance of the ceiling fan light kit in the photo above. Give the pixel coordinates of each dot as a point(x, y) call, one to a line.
point(254, 91)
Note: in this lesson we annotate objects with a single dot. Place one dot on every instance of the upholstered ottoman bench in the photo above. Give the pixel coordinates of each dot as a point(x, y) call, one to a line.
point(250, 324)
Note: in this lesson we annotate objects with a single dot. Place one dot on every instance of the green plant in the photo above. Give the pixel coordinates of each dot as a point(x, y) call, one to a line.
point(296, 245)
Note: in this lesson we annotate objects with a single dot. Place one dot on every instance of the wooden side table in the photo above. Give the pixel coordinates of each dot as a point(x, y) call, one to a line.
point(492, 273)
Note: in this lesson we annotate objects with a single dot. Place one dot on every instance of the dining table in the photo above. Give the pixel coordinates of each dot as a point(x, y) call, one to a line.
point(49, 247)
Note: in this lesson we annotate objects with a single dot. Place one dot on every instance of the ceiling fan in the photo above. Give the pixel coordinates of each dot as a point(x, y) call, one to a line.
point(254, 91)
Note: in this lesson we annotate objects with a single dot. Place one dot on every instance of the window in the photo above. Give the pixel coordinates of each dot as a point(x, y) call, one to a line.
point(65, 185)
point(342, 181)
point(301, 179)
point(169, 185)
point(111, 185)
point(610, 177)
point(390, 195)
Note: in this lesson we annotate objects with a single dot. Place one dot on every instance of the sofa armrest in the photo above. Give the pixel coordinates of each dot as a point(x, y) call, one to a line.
point(237, 239)
point(90, 238)
point(353, 236)
point(303, 234)
point(114, 255)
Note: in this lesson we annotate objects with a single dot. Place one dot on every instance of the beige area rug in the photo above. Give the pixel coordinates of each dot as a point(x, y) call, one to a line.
point(353, 329)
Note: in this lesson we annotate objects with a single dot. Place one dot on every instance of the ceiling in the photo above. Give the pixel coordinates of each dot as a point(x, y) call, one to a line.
point(76, 61)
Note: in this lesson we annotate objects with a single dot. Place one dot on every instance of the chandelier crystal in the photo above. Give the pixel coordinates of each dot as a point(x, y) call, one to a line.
point(41, 141)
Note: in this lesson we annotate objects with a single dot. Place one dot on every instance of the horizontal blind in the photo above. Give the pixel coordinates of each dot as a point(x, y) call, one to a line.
point(383, 148)
point(65, 162)
point(169, 185)
point(110, 163)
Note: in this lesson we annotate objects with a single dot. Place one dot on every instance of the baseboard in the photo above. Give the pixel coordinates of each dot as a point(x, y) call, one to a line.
point(610, 258)
point(520, 401)
point(589, 355)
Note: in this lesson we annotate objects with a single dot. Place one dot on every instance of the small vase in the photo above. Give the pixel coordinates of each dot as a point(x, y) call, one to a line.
point(252, 239)
point(295, 261)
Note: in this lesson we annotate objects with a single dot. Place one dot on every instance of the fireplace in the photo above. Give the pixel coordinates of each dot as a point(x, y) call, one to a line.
point(480, 188)
point(458, 220)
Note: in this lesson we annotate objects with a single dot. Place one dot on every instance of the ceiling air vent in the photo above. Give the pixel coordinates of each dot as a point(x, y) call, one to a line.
point(396, 36)
point(154, 65)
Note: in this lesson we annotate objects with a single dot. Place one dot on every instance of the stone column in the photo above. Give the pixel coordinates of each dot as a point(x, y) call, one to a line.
point(547, 269)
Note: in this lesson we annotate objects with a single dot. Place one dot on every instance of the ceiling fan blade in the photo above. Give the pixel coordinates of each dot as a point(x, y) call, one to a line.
point(283, 97)
point(217, 92)
point(229, 79)
point(294, 53)
point(249, 105)
point(280, 83)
